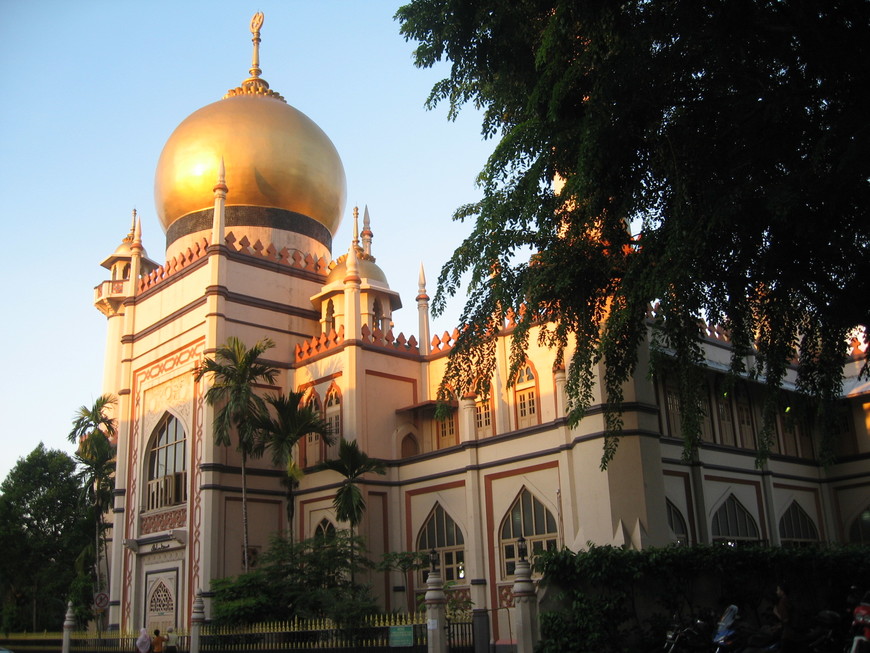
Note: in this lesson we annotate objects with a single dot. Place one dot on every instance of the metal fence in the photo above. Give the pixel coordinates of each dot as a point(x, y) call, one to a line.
point(389, 633)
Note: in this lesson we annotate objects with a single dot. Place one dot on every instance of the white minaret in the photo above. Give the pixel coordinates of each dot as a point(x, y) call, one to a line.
point(366, 232)
point(422, 312)
point(220, 201)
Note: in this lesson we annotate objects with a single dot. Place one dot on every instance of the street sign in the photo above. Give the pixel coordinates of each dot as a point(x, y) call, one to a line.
point(101, 600)
point(401, 635)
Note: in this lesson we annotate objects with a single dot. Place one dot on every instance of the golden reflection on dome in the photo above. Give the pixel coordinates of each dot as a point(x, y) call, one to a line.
point(275, 157)
point(367, 269)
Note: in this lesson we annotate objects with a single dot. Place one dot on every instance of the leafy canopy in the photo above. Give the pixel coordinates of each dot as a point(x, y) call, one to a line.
point(713, 155)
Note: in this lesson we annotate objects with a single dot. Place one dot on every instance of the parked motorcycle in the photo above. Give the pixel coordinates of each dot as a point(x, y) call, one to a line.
point(685, 638)
point(860, 642)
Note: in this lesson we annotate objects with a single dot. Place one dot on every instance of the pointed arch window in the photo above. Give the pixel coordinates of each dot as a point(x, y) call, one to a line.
point(325, 529)
point(313, 441)
point(441, 533)
point(859, 533)
point(745, 424)
point(733, 524)
point(526, 397)
point(167, 464)
point(677, 525)
point(531, 519)
point(333, 419)
point(447, 428)
point(796, 527)
point(161, 601)
point(483, 427)
point(410, 447)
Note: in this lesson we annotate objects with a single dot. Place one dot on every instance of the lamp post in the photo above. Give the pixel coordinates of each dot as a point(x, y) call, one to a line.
point(436, 613)
point(525, 601)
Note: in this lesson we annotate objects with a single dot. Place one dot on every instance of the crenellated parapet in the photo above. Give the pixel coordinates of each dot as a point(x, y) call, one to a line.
point(319, 344)
point(291, 258)
point(174, 265)
point(386, 340)
point(445, 342)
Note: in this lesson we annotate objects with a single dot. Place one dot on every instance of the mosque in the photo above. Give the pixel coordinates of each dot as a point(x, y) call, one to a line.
point(250, 193)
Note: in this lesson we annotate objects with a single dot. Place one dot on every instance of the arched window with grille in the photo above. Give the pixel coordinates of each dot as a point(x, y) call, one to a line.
point(529, 518)
point(325, 529)
point(676, 525)
point(167, 464)
point(333, 419)
point(313, 441)
point(733, 524)
point(442, 534)
point(526, 397)
point(859, 533)
point(796, 527)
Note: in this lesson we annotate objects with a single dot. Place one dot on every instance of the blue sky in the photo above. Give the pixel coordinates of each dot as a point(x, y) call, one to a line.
point(91, 91)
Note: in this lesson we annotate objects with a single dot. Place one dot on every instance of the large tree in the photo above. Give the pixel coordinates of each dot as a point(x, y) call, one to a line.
point(713, 155)
point(94, 429)
point(235, 372)
point(43, 529)
point(279, 431)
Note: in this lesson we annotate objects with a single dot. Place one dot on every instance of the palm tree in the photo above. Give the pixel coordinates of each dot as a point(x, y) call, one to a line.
point(349, 502)
point(94, 431)
point(235, 371)
point(96, 459)
point(292, 421)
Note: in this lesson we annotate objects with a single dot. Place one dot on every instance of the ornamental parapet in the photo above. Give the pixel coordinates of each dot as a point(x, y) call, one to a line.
point(388, 341)
point(319, 344)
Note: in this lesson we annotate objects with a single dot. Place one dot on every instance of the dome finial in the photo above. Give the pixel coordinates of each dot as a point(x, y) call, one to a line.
point(256, 24)
point(255, 85)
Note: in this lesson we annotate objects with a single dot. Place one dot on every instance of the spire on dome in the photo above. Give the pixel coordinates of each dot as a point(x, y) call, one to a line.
point(351, 267)
point(255, 85)
point(367, 232)
point(355, 241)
point(421, 280)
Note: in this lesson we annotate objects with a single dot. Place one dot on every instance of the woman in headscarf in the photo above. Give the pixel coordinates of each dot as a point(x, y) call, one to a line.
point(143, 643)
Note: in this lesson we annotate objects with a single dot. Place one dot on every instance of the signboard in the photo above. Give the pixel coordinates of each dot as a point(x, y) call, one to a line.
point(101, 601)
point(401, 635)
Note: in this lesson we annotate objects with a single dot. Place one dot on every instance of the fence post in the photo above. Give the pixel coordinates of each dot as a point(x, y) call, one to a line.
point(525, 602)
point(69, 623)
point(436, 613)
point(196, 620)
point(480, 630)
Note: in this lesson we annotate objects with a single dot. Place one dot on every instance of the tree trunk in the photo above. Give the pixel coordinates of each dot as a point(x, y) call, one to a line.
point(244, 513)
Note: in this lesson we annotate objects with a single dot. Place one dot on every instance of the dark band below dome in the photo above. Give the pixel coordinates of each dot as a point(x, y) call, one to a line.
point(250, 216)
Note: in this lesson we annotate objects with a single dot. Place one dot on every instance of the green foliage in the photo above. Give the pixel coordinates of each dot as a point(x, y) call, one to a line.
point(352, 463)
point(613, 600)
point(280, 434)
point(43, 528)
point(234, 373)
point(728, 136)
point(307, 579)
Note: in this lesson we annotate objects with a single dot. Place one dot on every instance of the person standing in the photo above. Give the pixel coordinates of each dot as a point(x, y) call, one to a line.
point(143, 643)
point(171, 641)
point(157, 642)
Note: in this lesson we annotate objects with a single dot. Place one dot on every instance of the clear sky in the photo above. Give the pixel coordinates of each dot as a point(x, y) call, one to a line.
point(92, 89)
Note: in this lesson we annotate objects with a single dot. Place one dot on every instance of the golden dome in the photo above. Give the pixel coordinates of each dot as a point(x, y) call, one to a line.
point(275, 157)
point(367, 269)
